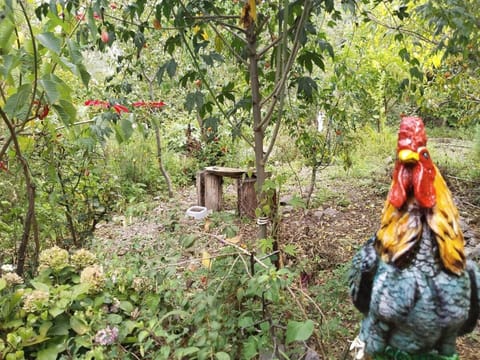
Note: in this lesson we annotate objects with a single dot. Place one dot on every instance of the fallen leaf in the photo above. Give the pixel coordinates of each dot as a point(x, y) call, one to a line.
point(206, 260)
point(235, 239)
point(207, 225)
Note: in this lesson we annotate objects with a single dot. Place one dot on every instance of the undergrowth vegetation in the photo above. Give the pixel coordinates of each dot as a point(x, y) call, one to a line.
point(229, 307)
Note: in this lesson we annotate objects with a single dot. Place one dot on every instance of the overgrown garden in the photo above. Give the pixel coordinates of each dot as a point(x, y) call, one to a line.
point(109, 109)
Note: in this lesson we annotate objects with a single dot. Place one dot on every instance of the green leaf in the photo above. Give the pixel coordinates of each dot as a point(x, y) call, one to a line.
point(79, 325)
point(194, 99)
point(114, 319)
point(299, 331)
point(3, 284)
point(10, 62)
point(17, 104)
point(404, 54)
point(179, 313)
point(6, 31)
point(61, 327)
point(50, 41)
point(142, 335)
point(127, 129)
point(126, 306)
point(245, 322)
point(44, 327)
point(40, 286)
point(249, 350)
point(84, 74)
point(55, 311)
point(306, 87)
point(297, 202)
point(182, 352)
point(415, 72)
point(50, 88)
point(92, 26)
point(188, 240)
point(49, 353)
point(79, 290)
point(66, 111)
point(222, 356)
point(74, 52)
point(171, 67)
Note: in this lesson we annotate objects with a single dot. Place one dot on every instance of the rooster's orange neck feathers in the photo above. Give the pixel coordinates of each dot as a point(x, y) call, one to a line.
point(417, 184)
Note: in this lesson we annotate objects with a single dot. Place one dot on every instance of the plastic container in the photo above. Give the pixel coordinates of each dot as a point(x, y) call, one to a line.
point(197, 212)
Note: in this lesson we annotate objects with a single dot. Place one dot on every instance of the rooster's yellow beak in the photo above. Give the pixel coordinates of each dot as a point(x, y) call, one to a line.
point(408, 156)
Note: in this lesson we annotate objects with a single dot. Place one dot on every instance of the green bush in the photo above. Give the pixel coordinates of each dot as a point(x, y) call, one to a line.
point(77, 309)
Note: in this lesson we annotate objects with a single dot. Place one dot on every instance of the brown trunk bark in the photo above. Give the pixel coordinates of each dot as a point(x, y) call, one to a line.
point(160, 161)
point(259, 135)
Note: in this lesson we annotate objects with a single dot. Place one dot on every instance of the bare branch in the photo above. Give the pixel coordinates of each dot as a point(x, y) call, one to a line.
point(220, 36)
point(234, 27)
point(401, 29)
point(268, 47)
point(214, 17)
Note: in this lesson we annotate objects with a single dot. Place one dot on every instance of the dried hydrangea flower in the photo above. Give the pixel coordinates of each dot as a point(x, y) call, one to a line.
point(12, 279)
point(93, 276)
point(115, 306)
point(140, 284)
point(107, 336)
point(54, 258)
point(83, 258)
point(7, 268)
point(35, 301)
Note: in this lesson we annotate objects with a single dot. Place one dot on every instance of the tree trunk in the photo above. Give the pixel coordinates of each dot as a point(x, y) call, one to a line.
point(158, 139)
point(160, 160)
point(30, 191)
point(311, 187)
point(259, 135)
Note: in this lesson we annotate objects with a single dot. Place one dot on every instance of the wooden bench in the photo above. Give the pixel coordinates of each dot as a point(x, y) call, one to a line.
point(210, 192)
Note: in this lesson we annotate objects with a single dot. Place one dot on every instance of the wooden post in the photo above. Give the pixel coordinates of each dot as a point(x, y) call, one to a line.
point(200, 187)
point(247, 197)
point(213, 192)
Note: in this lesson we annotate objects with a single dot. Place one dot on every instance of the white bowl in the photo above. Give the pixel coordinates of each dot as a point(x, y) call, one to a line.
point(198, 212)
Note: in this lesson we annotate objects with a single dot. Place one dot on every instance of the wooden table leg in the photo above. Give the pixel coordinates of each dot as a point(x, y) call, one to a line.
point(213, 192)
point(247, 197)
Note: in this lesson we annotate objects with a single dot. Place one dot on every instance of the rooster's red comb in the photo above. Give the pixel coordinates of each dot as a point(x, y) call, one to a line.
point(411, 134)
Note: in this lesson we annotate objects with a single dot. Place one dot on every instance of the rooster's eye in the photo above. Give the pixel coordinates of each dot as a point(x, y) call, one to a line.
point(425, 155)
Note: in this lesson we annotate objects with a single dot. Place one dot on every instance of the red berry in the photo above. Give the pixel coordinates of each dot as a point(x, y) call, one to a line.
point(104, 37)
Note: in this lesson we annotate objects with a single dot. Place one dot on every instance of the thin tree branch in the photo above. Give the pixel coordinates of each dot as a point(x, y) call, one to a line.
point(239, 248)
point(214, 17)
point(400, 29)
point(75, 124)
point(269, 46)
point(228, 27)
point(220, 36)
point(123, 21)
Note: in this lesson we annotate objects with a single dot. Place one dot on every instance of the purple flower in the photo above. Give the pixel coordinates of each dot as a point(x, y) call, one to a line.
point(106, 336)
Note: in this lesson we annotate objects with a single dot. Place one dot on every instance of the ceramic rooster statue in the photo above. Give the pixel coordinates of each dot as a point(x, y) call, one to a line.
point(411, 280)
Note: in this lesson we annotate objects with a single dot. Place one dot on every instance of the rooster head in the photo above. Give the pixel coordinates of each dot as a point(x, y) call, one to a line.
point(414, 172)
